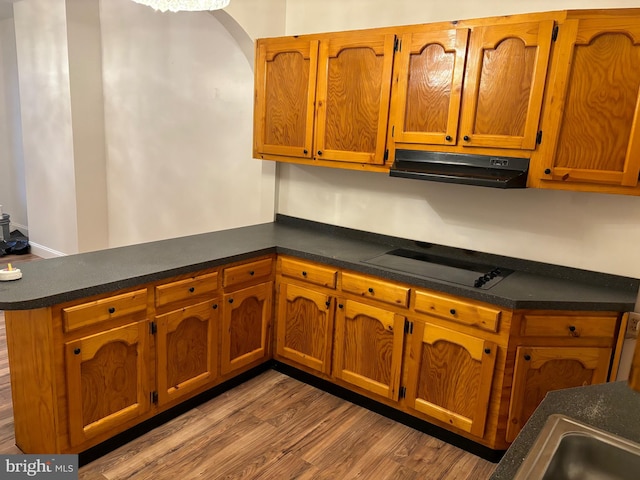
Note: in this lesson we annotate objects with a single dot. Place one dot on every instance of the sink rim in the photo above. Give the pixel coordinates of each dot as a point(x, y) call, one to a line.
point(556, 428)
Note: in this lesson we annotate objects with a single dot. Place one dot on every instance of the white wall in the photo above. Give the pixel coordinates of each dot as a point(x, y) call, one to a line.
point(584, 230)
point(13, 194)
point(178, 108)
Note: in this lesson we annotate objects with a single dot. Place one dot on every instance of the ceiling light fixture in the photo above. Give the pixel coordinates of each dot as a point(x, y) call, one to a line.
point(184, 5)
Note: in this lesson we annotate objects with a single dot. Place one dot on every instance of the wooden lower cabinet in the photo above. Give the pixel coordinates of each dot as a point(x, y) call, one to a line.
point(305, 326)
point(246, 316)
point(368, 347)
point(187, 350)
point(539, 370)
point(106, 380)
point(450, 376)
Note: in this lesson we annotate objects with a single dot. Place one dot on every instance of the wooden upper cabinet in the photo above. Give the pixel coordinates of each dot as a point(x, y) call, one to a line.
point(429, 86)
point(285, 82)
point(353, 93)
point(504, 84)
point(592, 118)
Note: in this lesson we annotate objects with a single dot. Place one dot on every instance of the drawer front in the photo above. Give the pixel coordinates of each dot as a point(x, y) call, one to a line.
point(247, 272)
point(568, 326)
point(110, 308)
point(456, 310)
point(375, 289)
point(190, 290)
point(311, 273)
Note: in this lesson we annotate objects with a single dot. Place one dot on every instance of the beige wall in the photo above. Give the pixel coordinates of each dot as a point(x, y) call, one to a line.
point(583, 230)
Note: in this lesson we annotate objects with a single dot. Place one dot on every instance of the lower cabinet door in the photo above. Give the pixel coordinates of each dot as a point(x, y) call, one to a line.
point(305, 325)
point(368, 347)
point(450, 376)
point(540, 370)
point(187, 350)
point(107, 382)
point(245, 326)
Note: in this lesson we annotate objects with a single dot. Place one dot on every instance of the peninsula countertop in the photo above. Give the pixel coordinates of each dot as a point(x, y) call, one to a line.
point(533, 285)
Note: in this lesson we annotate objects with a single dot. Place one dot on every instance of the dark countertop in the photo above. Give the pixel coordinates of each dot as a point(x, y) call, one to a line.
point(612, 407)
point(532, 285)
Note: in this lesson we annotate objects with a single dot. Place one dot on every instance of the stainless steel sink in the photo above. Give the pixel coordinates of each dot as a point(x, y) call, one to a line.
point(567, 449)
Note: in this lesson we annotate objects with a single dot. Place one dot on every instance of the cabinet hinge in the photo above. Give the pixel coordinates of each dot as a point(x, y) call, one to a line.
point(554, 34)
point(153, 397)
point(153, 328)
point(539, 137)
point(397, 45)
point(408, 326)
point(403, 392)
point(386, 155)
point(393, 131)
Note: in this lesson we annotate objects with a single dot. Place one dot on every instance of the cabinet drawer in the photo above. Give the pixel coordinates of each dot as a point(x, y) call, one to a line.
point(193, 289)
point(381, 290)
point(456, 310)
point(247, 272)
point(311, 273)
point(104, 309)
point(568, 326)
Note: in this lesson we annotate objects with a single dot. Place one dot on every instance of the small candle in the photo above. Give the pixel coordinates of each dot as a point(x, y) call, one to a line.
point(10, 273)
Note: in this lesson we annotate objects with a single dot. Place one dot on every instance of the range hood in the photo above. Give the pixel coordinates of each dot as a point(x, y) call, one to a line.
point(482, 170)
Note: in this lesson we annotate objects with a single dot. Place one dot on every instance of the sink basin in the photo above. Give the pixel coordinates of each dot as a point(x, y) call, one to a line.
point(567, 449)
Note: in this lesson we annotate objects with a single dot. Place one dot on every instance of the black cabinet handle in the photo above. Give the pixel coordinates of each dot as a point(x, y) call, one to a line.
point(328, 304)
point(192, 289)
point(319, 152)
point(305, 151)
point(370, 290)
point(340, 305)
point(452, 311)
point(304, 274)
point(572, 328)
point(231, 300)
point(112, 310)
point(527, 357)
point(76, 351)
point(215, 306)
point(487, 351)
point(252, 273)
point(547, 171)
point(466, 138)
point(448, 138)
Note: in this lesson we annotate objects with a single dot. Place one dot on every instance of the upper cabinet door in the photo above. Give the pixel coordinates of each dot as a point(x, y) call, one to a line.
point(354, 87)
point(429, 86)
point(284, 96)
point(592, 121)
point(504, 84)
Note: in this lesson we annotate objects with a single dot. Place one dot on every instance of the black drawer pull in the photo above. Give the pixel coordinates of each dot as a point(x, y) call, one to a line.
point(252, 273)
point(304, 274)
point(215, 306)
point(572, 328)
point(112, 310)
point(370, 290)
point(452, 311)
point(192, 289)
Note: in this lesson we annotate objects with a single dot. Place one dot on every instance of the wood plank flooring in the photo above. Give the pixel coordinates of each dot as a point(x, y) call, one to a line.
point(270, 428)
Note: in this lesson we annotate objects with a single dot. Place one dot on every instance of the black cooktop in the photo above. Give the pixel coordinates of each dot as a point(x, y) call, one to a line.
point(445, 269)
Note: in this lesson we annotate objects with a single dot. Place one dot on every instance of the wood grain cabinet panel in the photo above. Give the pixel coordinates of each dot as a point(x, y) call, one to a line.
point(354, 87)
point(308, 272)
point(592, 118)
point(368, 348)
point(122, 306)
point(250, 272)
point(305, 326)
point(450, 376)
point(187, 291)
point(539, 370)
point(187, 350)
point(285, 83)
point(246, 316)
point(375, 289)
point(106, 380)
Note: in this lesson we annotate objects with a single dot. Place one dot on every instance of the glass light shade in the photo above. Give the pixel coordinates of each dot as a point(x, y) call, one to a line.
point(184, 5)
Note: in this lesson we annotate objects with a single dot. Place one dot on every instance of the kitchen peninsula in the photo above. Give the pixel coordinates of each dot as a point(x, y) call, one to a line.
point(102, 341)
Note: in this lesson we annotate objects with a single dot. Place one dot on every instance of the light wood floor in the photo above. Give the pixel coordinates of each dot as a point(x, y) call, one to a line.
point(273, 428)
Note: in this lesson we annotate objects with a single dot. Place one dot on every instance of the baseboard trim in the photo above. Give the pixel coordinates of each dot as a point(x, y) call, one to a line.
point(44, 252)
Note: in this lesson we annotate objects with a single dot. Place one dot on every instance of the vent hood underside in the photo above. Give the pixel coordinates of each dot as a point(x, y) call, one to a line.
point(482, 170)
